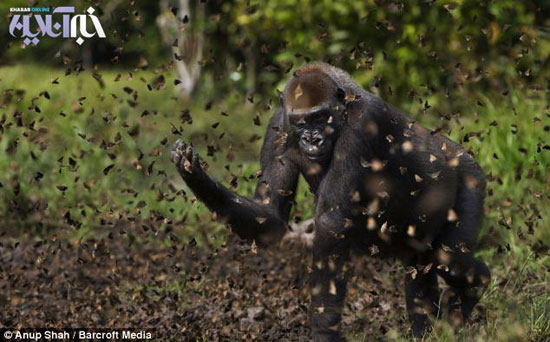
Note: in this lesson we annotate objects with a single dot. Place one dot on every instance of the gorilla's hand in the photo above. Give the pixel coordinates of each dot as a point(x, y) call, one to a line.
point(301, 233)
point(186, 160)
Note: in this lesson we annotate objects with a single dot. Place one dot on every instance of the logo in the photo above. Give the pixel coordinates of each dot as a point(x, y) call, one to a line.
point(61, 22)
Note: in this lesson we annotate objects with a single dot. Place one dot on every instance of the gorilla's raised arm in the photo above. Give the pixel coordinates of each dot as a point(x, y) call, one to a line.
point(263, 218)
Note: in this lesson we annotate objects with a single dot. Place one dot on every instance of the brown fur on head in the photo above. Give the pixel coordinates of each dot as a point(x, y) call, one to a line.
point(313, 101)
point(309, 89)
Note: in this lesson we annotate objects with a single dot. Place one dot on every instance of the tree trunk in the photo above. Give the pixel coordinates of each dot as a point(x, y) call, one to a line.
point(185, 40)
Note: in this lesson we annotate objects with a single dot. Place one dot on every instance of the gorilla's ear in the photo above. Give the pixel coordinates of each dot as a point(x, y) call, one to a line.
point(341, 95)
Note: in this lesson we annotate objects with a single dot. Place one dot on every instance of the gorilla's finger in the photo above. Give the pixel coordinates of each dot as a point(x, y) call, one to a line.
point(189, 152)
point(174, 157)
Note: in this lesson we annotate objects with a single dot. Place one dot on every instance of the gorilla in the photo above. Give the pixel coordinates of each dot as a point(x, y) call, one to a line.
point(380, 180)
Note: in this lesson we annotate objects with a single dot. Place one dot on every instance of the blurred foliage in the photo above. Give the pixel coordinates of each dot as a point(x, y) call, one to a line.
point(430, 51)
point(399, 49)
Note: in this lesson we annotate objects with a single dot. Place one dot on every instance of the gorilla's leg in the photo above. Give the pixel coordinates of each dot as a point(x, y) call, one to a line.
point(422, 295)
point(327, 283)
point(467, 276)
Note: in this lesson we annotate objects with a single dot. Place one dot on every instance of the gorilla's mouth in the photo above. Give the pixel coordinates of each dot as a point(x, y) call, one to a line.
point(315, 152)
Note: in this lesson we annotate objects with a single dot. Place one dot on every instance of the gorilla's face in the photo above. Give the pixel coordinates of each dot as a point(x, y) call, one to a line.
point(316, 132)
point(313, 105)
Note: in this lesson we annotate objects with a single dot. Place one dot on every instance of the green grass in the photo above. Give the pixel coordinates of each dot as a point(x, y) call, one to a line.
point(56, 181)
point(83, 129)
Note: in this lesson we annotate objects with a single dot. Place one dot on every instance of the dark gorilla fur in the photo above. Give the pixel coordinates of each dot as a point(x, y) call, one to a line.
point(379, 179)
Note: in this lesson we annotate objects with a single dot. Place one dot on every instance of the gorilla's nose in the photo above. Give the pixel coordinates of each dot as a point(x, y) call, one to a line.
point(312, 138)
